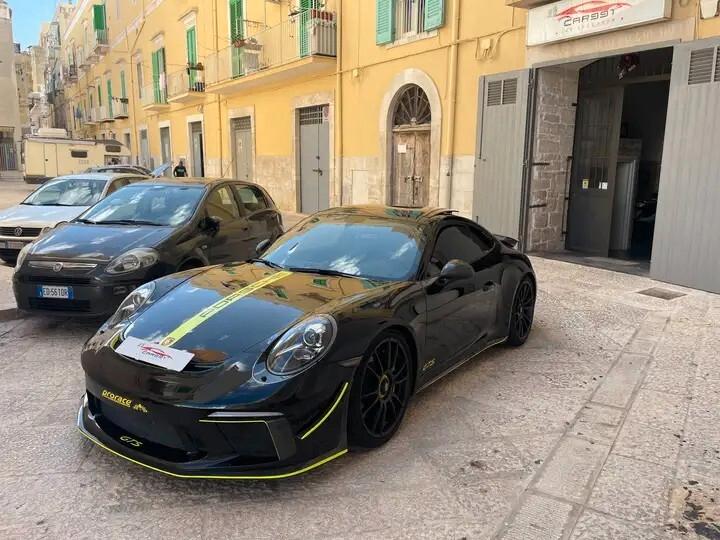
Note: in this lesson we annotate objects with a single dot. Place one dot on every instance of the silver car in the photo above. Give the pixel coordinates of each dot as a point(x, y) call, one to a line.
point(59, 200)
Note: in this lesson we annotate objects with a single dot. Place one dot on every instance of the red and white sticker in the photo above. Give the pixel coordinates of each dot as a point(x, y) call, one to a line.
point(157, 355)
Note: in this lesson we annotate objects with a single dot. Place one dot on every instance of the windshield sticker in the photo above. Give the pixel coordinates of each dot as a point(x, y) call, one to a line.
point(196, 320)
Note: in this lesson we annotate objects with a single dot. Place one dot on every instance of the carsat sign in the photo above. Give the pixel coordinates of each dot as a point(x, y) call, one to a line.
point(568, 19)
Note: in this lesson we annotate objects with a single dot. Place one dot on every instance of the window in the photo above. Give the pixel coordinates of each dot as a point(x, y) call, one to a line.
point(409, 17)
point(457, 242)
point(251, 199)
point(404, 18)
point(221, 203)
point(126, 138)
point(80, 154)
point(159, 76)
point(141, 81)
point(113, 148)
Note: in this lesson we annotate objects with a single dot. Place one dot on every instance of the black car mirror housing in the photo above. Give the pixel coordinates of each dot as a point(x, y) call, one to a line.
point(210, 224)
point(455, 270)
point(262, 246)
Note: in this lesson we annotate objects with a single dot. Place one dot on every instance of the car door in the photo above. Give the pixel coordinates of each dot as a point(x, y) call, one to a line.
point(263, 219)
point(227, 243)
point(459, 315)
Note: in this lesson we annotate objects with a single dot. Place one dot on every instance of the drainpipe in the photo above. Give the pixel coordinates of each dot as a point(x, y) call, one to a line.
point(217, 96)
point(131, 49)
point(452, 106)
point(339, 140)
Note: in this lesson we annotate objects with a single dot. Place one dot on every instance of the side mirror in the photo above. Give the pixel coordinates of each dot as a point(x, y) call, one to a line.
point(262, 246)
point(455, 270)
point(210, 224)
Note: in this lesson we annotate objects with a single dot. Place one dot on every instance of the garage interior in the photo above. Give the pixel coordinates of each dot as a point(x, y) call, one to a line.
point(598, 137)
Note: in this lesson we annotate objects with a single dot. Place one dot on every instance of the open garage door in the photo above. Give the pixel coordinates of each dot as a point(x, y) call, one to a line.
point(686, 249)
point(500, 156)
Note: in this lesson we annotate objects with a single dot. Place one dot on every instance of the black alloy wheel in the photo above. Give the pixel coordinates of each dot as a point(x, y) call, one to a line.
point(381, 391)
point(523, 311)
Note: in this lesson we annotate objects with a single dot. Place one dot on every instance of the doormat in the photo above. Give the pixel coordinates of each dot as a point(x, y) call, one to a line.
point(663, 294)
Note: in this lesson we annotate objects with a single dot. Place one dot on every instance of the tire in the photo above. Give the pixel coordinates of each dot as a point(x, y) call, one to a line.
point(380, 392)
point(522, 313)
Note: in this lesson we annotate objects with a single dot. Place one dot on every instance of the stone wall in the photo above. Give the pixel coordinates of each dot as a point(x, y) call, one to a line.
point(553, 145)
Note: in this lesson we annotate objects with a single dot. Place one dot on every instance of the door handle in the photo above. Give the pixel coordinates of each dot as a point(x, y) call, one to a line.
point(319, 171)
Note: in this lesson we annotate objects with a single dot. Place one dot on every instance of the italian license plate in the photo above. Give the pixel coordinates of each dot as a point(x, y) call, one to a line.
point(52, 291)
point(12, 245)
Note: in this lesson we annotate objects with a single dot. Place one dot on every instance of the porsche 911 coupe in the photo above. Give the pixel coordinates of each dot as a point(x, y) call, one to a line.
point(273, 367)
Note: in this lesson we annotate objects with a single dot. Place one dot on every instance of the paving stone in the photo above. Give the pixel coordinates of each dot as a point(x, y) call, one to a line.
point(595, 526)
point(644, 442)
point(598, 423)
point(633, 490)
point(659, 409)
point(571, 468)
point(539, 518)
point(620, 382)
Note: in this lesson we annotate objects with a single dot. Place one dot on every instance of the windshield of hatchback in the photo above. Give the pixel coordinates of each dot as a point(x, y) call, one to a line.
point(146, 205)
point(68, 192)
point(371, 248)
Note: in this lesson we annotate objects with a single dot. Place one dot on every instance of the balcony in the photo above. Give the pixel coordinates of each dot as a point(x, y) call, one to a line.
point(526, 4)
point(154, 96)
point(83, 63)
point(186, 86)
point(92, 117)
point(105, 114)
point(70, 73)
point(99, 44)
point(302, 47)
point(120, 109)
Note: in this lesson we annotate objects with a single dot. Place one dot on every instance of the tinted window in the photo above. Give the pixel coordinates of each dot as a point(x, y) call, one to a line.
point(372, 248)
point(456, 242)
point(78, 154)
point(147, 204)
point(251, 199)
point(68, 192)
point(221, 203)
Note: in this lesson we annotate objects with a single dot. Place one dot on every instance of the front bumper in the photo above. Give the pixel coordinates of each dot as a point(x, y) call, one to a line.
point(188, 442)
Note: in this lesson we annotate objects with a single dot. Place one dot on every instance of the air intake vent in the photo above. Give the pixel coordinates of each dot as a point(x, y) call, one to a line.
point(494, 96)
point(717, 65)
point(509, 96)
point(701, 66)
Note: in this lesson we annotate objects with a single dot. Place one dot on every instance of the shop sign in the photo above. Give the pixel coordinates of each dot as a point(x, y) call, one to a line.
point(569, 19)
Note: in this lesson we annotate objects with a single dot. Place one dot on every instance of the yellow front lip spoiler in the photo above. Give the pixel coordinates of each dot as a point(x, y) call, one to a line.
point(298, 472)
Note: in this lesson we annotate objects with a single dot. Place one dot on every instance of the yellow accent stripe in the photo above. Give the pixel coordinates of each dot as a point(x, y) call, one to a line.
point(216, 477)
point(327, 414)
point(196, 320)
point(209, 421)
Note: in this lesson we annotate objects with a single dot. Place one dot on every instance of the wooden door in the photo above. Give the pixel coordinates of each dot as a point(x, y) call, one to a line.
point(411, 168)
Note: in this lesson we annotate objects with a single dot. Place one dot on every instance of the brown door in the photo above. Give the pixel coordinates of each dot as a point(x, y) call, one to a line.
point(411, 170)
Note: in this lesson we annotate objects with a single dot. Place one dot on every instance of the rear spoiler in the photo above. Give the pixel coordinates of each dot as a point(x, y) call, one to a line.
point(506, 240)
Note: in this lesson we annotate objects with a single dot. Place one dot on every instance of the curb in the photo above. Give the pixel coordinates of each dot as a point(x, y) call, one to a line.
point(9, 312)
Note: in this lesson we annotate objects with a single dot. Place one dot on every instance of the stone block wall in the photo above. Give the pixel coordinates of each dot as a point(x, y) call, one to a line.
point(552, 146)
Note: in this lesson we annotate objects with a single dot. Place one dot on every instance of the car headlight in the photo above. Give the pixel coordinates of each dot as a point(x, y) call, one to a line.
point(135, 259)
point(132, 304)
point(302, 346)
point(22, 256)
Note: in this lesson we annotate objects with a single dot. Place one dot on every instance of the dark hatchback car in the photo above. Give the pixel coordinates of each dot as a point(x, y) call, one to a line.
point(142, 232)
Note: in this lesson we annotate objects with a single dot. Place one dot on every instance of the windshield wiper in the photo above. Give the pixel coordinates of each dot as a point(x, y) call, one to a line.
point(322, 272)
point(86, 221)
point(129, 222)
point(267, 263)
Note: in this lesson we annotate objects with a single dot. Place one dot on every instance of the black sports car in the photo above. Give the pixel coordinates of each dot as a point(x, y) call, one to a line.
point(273, 367)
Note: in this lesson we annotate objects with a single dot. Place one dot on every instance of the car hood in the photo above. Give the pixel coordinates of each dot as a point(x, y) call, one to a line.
point(97, 242)
point(27, 215)
point(256, 305)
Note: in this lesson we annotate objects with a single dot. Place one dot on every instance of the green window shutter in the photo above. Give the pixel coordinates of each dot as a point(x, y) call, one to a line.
point(385, 22)
point(156, 75)
point(191, 46)
point(434, 14)
point(110, 97)
point(99, 95)
point(123, 88)
point(99, 17)
point(236, 19)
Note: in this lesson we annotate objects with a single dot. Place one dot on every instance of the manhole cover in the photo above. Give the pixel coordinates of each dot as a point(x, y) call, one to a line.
point(663, 294)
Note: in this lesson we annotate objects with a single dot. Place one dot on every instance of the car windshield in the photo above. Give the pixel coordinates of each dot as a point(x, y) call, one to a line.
point(371, 248)
point(146, 205)
point(68, 192)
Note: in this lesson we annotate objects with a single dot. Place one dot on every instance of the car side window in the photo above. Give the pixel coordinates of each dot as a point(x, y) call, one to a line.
point(251, 199)
point(221, 203)
point(455, 242)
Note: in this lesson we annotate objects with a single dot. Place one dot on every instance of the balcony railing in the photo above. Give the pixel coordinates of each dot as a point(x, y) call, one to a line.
point(99, 42)
point(120, 109)
point(105, 113)
point(186, 86)
point(70, 73)
point(154, 96)
point(92, 116)
point(310, 33)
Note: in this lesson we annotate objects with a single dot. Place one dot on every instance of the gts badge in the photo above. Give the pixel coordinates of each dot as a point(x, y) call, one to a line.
point(129, 440)
point(123, 401)
point(427, 365)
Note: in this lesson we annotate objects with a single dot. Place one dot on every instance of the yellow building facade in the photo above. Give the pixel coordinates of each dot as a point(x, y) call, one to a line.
point(322, 102)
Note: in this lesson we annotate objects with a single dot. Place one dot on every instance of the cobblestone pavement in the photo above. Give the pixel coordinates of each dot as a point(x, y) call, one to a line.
point(605, 425)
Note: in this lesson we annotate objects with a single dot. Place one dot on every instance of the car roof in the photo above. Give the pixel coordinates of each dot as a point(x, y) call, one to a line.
point(98, 176)
point(399, 213)
point(193, 181)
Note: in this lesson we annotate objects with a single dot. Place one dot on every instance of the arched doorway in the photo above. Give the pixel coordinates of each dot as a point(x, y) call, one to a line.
point(411, 136)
